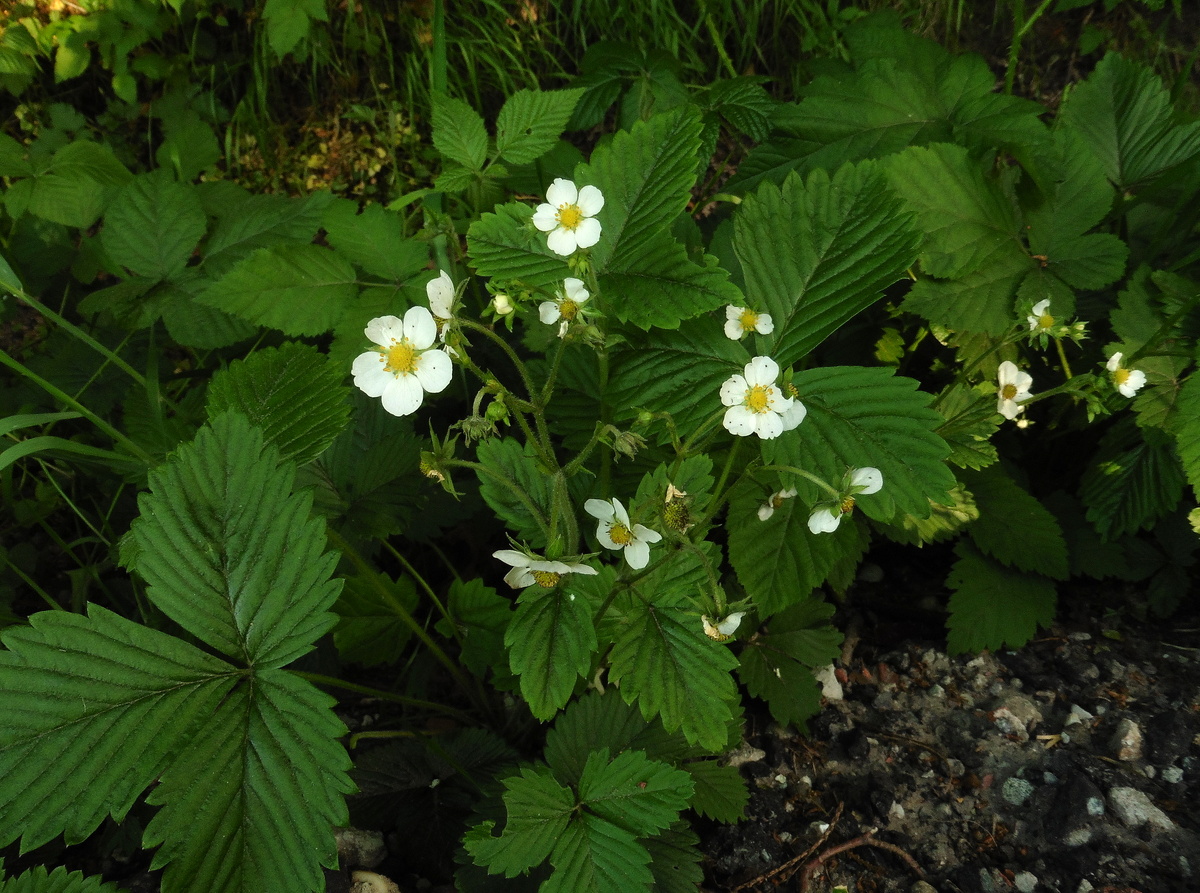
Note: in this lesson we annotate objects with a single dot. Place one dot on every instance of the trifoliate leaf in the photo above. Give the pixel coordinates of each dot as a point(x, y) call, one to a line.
point(634, 792)
point(595, 856)
point(720, 793)
point(298, 289)
point(1123, 114)
point(778, 665)
point(1075, 195)
point(255, 792)
point(816, 253)
point(513, 483)
point(37, 880)
point(374, 240)
point(292, 393)
point(230, 553)
point(551, 640)
point(979, 302)
point(371, 629)
point(153, 225)
point(505, 245)
point(77, 186)
point(1013, 527)
point(531, 121)
point(260, 221)
point(646, 176)
point(944, 521)
point(458, 132)
point(1134, 479)
point(994, 606)
point(96, 697)
point(664, 661)
point(538, 811)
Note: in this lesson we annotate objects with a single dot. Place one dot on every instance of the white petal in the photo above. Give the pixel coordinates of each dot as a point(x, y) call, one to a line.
point(740, 421)
point(733, 391)
point(1010, 409)
point(562, 192)
point(1134, 383)
point(1006, 373)
point(788, 493)
point(732, 312)
point(645, 534)
point(574, 290)
point(587, 233)
point(548, 312)
point(545, 217)
point(513, 557)
point(764, 326)
point(766, 510)
point(403, 395)
point(420, 328)
point(440, 292)
point(1023, 380)
point(590, 201)
point(619, 513)
point(1040, 307)
point(561, 241)
point(866, 480)
point(369, 373)
point(762, 371)
point(824, 520)
point(770, 425)
point(601, 509)
point(729, 625)
point(584, 570)
point(793, 416)
point(434, 371)
point(734, 330)
point(383, 330)
point(638, 555)
point(1114, 362)
point(519, 578)
point(606, 540)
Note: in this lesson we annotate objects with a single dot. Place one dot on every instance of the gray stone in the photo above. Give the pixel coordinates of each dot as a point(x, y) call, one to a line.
point(831, 689)
point(1126, 742)
point(745, 754)
point(1026, 881)
point(1173, 775)
point(1016, 791)
point(1135, 809)
point(360, 849)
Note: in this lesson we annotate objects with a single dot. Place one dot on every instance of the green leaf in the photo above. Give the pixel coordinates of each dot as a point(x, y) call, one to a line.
point(979, 302)
point(299, 289)
point(96, 697)
point(255, 793)
point(193, 324)
point(634, 792)
point(290, 21)
point(994, 606)
point(78, 185)
point(551, 639)
point(482, 617)
point(37, 880)
point(229, 552)
point(1134, 479)
point(675, 859)
point(293, 393)
point(778, 666)
point(531, 121)
point(370, 629)
point(1075, 195)
point(152, 226)
point(720, 793)
point(374, 240)
point(1014, 527)
point(458, 132)
point(1123, 114)
point(816, 253)
point(663, 660)
point(538, 812)
point(1187, 430)
point(868, 417)
point(971, 420)
point(506, 246)
point(514, 484)
point(646, 176)
point(260, 221)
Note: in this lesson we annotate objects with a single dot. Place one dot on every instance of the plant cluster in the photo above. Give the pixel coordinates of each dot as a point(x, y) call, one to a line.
point(585, 440)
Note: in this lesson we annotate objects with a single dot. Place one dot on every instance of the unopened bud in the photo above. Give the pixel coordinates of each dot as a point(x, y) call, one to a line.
point(502, 305)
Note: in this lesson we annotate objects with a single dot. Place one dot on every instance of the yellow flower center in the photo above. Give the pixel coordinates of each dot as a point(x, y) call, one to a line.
point(569, 216)
point(1008, 392)
point(568, 309)
point(401, 359)
point(748, 319)
point(677, 516)
point(777, 500)
point(620, 534)
point(1045, 321)
point(546, 579)
point(847, 504)
point(758, 398)
point(1120, 376)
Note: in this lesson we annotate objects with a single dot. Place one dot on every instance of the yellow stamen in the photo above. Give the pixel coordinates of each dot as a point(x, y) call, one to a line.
point(620, 534)
point(546, 579)
point(1120, 376)
point(1008, 392)
point(569, 216)
point(748, 319)
point(847, 504)
point(568, 309)
point(1045, 321)
point(401, 359)
point(758, 398)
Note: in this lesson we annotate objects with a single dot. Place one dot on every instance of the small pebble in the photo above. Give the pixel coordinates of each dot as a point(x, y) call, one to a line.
point(1135, 809)
point(1026, 881)
point(1173, 775)
point(1126, 742)
point(1016, 790)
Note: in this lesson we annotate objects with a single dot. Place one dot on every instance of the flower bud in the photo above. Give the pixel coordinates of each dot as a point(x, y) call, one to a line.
point(502, 305)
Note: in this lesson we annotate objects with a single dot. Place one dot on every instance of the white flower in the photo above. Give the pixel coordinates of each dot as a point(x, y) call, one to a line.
point(767, 509)
point(403, 367)
point(565, 306)
point(722, 630)
point(1014, 387)
point(1039, 318)
point(502, 305)
point(615, 531)
point(740, 320)
point(441, 296)
point(1128, 381)
point(756, 406)
point(527, 570)
point(569, 216)
point(826, 517)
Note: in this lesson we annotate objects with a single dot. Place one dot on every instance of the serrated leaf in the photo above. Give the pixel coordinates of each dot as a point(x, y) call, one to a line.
point(293, 393)
point(37, 880)
point(255, 793)
point(1134, 479)
point(96, 697)
point(1005, 509)
point(1124, 116)
point(513, 483)
point(994, 606)
point(374, 240)
point(664, 661)
point(458, 132)
point(260, 221)
point(229, 552)
point(77, 186)
point(816, 253)
point(531, 121)
point(298, 289)
point(538, 812)
point(970, 423)
point(289, 22)
point(482, 617)
point(595, 856)
point(598, 720)
point(371, 629)
point(720, 792)
point(1186, 429)
point(1075, 194)
point(505, 245)
point(152, 226)
point(193, 324)
point(778, 665)
point(675, 859)
point(551, 639)
point(634, 792)
point(979, 302)
point(646, 176)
